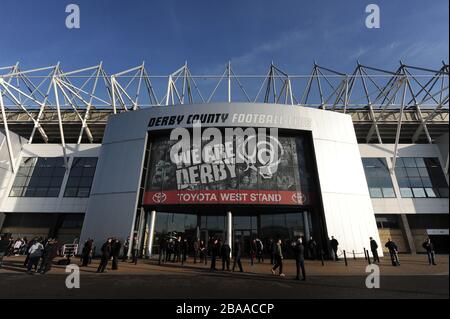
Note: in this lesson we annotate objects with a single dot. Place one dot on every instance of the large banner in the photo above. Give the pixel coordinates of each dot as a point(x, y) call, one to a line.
point(230, 166)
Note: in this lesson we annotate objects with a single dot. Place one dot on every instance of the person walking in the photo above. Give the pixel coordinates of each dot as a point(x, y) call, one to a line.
point(373, 248)
point(393, 252)
point(177, 250)
point(278, 259)
point(272, 251)
point(429, 247)
point(237, 252)
point(184, 250)
point(4, 244)
point(334, 246)
point(135, 252)
point(162, 250)
point(86, 252)
point(116, 245)
point(50, 252)
point(312, 248)
point(299, 251)
point(214, 253)
point(106, 255)
point(203, 254)
point(259, 250)
point(225, 254)
point(26, 245)
point(126, 246)
point(196, 250)
point(252, 251)
point(34, 253)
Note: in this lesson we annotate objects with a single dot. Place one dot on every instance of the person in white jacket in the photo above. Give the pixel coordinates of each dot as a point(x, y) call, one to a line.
point(35, 252)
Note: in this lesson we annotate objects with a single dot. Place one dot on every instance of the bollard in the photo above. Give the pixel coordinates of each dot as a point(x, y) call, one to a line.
point(365, 255)
point(345, 258)
point(354, 256)
point(368, 257)
point(323, 264)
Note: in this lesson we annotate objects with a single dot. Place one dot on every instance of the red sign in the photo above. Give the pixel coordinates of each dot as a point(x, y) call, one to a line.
point(174, 197)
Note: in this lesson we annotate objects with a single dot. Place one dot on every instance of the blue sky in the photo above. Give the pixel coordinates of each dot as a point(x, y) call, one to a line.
point(207, 33)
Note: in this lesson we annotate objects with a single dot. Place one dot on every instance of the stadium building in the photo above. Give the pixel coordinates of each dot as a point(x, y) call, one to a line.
point(84, 154)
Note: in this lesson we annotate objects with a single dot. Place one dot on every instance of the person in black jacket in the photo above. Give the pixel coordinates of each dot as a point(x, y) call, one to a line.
point(373, 248)
point(214, 253)
point(106, 255)
point(393, 251)
point(162, 250)
point(126, 246)
point(116, 245)
point(334, 246)
point(184, 250)
point(50, 252)
point(86, 252)
point(177, 250)
point(299, 251)
point(312, 248)
point(225, 254)
point(429, 247)
point(203, 252)
point(272, 251)
point(196, 247)
point(4, 245)
point(237, 252)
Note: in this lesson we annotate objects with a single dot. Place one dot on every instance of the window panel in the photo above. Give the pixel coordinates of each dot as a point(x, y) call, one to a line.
point(424, 175)
point(388, 192)
point(83, 191)
point(53, 192)
point(420, 162)
point(40, 192)
point(412, 172)
point(406, 192)
point(71, 192)
point(415, 182)
point(419, 192)
point(378, 176)
point(16, 192)
point(443, 192)
point(80, 177)
point(409, 162)
point(36, 176)
point(375, 192)
point(430, 192)
point(426, 182)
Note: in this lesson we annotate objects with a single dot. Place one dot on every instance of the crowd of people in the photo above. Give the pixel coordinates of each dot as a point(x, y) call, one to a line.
point(176, 249)
point(39, 253)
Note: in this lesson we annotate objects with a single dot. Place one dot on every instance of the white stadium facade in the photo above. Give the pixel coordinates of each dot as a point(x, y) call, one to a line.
point(86, 154)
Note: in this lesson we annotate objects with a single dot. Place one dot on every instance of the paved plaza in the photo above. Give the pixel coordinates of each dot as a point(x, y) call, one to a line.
point(413, 279)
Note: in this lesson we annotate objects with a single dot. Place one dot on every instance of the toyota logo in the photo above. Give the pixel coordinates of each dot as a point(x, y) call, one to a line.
point(299, 198)
point(159, 198)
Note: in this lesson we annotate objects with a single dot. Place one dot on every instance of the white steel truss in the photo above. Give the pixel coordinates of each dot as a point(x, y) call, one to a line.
point(42, 104)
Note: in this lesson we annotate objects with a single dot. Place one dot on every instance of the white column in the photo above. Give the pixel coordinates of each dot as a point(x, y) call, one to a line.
point(306, 225)
point(230, 229)
point(151, 232)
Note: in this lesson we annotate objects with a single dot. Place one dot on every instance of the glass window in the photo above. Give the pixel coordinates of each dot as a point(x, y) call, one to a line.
point(378, 177)
point(387, 221)
point(81, 176)
point(421, 177)
point(406, 192)
point(38, 177)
